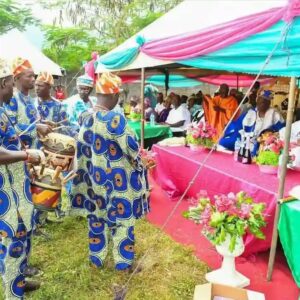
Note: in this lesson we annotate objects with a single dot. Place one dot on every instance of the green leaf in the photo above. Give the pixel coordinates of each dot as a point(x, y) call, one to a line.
point(222, 235)
point(217, 218)
point(232, 243)
point(240, 227)
point(268, 158)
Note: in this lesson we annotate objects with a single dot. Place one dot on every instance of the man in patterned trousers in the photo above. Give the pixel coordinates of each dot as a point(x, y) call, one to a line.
point(111, 184)
point(15, 198)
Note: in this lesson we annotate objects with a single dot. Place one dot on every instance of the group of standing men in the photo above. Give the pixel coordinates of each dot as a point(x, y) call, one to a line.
point(111, 186)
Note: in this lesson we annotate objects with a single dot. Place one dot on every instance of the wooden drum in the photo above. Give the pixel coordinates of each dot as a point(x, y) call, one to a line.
point(59, 150)
point(46, 187)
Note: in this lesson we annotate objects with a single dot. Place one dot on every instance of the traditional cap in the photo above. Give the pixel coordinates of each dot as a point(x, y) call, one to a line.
point(85, 80)
point(267, 95)
point(5, 69)
point(20, 65)
point(108, 83)
point(45, 77)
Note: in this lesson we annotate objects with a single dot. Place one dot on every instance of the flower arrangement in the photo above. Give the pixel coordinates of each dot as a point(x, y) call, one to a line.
point(230, 215)
point(201, 134)
point(270, 151)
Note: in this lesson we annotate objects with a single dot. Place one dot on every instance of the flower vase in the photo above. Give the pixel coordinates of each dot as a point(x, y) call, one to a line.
point(196, 148)
point(267, 169)
point(227, 274)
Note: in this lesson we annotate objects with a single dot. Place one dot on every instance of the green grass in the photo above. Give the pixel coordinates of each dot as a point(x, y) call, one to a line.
point(170, 271)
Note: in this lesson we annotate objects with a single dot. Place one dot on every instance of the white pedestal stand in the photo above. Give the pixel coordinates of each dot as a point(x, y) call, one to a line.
point(227, 274)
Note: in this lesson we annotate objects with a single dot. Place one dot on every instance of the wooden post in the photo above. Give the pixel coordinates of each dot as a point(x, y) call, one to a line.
point(143, 108)
point(285, 156)
point(167, 80)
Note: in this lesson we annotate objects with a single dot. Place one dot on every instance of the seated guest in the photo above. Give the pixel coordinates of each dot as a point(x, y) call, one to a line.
point(148, 109)
point(193, 106)
point(232, 133)
point(179, 116)
point(253, 94)
point(159, 106)
point(295, 132)
point(134, 103)
point(262, 118)
point(233, 92)
point(199, 95)
point(162, 117)
point(184, 99)
point(150, 92)
point(246, 105)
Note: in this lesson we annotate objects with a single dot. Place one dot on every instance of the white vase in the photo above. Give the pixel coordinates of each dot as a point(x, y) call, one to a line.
point(227, 274)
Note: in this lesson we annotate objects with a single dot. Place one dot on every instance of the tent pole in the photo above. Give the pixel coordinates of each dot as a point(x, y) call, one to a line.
point(143, 108)
point(167, 80)
point(283, 169)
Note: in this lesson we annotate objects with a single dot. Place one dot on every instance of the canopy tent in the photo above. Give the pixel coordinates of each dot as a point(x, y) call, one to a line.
point(14, 44)
point(237, 42)
point(183, 81)
point(194, 17)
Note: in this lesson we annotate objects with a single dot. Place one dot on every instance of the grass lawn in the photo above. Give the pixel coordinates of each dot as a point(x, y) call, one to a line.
point(170, 271)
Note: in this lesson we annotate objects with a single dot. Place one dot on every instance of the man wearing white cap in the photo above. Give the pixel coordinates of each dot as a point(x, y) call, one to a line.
point(82, 101)
point(15, 198)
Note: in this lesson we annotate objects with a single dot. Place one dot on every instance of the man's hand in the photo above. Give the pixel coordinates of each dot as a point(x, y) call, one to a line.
point(35, 156)
point(43, 129)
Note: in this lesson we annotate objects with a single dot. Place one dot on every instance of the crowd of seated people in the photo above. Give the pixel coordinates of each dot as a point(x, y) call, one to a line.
point(255, 114)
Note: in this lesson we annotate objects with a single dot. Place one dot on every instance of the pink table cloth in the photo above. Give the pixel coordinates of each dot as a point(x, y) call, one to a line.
point(177, 165)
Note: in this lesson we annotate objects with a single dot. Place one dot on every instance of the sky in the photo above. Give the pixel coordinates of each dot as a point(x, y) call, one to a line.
point(33, 33)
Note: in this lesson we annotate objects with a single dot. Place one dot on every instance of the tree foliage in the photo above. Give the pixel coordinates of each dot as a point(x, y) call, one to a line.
point(70, 47)
point(114, 21)
point(12, 15)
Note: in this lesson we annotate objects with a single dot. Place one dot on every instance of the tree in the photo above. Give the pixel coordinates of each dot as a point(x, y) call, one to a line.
point(12, 15)
point(114, 21)
point(70, 47)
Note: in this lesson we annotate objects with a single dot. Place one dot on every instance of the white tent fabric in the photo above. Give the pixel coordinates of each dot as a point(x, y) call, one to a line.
point(14, 44)
point(189, 16)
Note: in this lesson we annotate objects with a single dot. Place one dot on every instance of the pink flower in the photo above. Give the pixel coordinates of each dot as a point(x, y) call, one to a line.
point(200, 125)
point(223, 203)
point(245, 211)
point(205, 216)
point(232, 211)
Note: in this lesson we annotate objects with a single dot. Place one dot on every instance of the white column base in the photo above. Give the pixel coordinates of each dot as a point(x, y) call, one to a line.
point(234, 279)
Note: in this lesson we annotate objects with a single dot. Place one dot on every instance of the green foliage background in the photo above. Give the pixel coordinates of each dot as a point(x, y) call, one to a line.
point(13, 15)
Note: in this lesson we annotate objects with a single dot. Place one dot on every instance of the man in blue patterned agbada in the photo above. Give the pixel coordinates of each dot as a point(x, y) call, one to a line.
point(111, 184)
point(21, 108)
point(15, 197)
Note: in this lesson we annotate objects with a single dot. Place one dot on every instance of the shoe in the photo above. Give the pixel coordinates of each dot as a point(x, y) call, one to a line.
point(54, 221)
point(30, 271)
point(31, 286)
